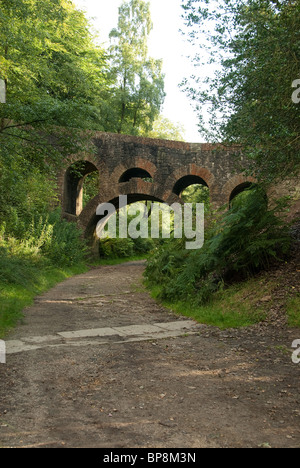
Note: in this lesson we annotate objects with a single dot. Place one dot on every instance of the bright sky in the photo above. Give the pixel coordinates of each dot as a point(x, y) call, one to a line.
point(166, 43)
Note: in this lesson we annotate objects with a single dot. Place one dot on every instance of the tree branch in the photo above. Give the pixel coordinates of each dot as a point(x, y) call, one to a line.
point(21, 138)
point(22, 125)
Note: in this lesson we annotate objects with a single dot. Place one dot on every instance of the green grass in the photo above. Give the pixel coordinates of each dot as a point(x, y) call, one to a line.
point(293, 312)
point(25, 277)
point(15, 297)
point(238, 306)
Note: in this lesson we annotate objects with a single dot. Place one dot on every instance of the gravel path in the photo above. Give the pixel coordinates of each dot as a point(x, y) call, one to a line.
point(97, 363)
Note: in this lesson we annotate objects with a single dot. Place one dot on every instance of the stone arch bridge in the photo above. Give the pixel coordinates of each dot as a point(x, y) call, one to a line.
point(149, 169)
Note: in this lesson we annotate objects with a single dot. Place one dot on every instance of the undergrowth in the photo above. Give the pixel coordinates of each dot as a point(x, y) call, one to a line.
point(237, 306)
point(241, 242)
point(33, 258)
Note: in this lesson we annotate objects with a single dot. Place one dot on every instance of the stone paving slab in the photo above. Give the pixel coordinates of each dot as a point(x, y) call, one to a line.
point(97, 332)
point(131, 333)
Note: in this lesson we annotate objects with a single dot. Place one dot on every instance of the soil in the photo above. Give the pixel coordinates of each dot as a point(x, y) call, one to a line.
point(204, 388)
point(284, 278)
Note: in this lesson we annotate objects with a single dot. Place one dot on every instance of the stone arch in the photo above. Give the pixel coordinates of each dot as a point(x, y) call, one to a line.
point(236, 185)
point(261, 194)
point(89, 219)
point(72, 181)
point(136, 168)
point(183, 177)
point(239, 189)
point(73, 185)
point(134, 173)
point(187, 181)
point(135, 189)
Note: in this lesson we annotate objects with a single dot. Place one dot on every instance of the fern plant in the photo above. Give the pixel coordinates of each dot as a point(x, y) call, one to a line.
point(245, 240)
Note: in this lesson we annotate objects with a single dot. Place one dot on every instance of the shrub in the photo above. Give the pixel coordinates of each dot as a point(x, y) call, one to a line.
point(143, 246)
point(49, 237)
point(65, 246)
point(116, 248)
point(244, 241)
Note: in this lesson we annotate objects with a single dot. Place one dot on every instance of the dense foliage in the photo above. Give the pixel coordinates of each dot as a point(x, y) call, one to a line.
point(139, 90)
point(256, 46)
point(58, 83)
point(240, 242)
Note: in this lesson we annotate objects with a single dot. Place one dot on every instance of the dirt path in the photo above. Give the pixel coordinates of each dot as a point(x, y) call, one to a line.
point(97, 363)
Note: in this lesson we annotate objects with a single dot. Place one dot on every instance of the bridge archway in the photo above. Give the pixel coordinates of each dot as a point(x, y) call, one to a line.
point(91, 210)
point(253, 190)
point(240, 189)
point(133, 168)
point(236, 185)
point(186, 177)
point(74, 179)
point(187, 181)
point(134, 173)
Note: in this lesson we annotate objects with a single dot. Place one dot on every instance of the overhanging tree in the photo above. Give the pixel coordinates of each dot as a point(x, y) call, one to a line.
point(54, 74)
point(256, 44)
point(55, 79)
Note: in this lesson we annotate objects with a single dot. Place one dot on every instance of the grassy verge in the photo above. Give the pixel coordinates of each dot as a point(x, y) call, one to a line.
point(14, 297)
point(27, 278)
point(240, 305)
point(293, 312)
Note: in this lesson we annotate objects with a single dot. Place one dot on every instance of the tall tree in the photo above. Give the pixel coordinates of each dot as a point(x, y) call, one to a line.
point(53, 72)
point(165, 129)
point(256, 46)
point(54, 77)
point(139, 91)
